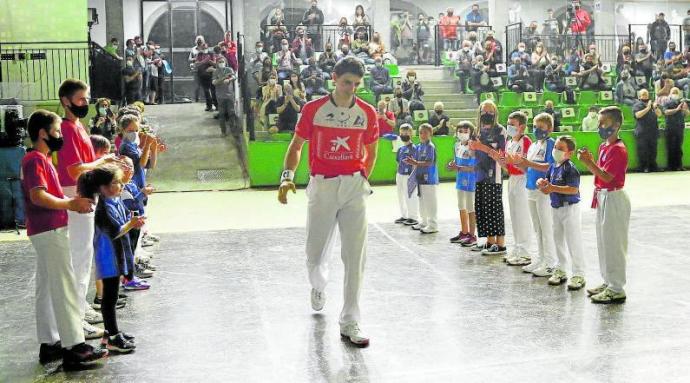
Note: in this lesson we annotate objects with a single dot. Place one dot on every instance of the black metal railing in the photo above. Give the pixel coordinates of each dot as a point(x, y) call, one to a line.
point(33, 71)
point(335, 34)
point(643, 31)
point(105, 74)
point(608, 46)
point(513, 38)
point(444, 40)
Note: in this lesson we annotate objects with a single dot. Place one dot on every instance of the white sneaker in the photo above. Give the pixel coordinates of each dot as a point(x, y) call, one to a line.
point(428, 230)
point(92, 316)
point(318, 299)
point(558, 277)
point(531, 267)
point(543, 271)
point(417, 227)
point(91, 331)
point(352, 333)
point(145, 242)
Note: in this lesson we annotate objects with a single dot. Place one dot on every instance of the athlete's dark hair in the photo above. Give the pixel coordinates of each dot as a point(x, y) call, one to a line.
point(349, 65)
point(70, 86)
point(40, 119)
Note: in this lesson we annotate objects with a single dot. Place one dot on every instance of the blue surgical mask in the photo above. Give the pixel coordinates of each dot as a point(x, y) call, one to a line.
point(102, 111)
point(605, 133)
point(512, 131)
point(541, 134)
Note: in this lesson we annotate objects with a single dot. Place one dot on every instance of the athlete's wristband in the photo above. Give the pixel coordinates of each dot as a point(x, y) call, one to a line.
point(287, 175)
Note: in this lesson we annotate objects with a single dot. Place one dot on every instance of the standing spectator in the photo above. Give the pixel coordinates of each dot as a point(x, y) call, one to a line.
point(192, 64)
point(302, 46)
point(659, 34)
point(579, 25)
point(278, 33)
point(111, 48)
point(205, 65)
point(380, 79)
point(313, 19)
point(675, 109)
point(230, 51)
point(313, 79)
point(626, 89)
point(552, 31)
point(385, 118)
point(224, 82)
point(686, 30)
point(554, 76)
point(289, 106)
point(254, 69)
point(412, 91)
point(423, 37)
point(103, 123)
point(646, 131)
point(449, 30)
point(345, 32)
point(155, 67)
point(287, 61)
point(439, 120)
point(327, 61)
point(464, 66)
point(530, 36)
point(58, 299)
point(406, 35)
point(474, 19)
point(591, 122)
point(361, 21)
point(132, 78)
point(76, 157)
point(129, 48)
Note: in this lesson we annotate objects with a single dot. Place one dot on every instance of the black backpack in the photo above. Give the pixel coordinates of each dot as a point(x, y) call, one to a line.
point(569, 96)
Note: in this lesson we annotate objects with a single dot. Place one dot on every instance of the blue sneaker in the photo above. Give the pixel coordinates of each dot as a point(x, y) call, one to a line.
point(136, 284)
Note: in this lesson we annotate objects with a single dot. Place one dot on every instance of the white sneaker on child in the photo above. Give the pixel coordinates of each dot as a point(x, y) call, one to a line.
point(531, 267)
point(543, 271)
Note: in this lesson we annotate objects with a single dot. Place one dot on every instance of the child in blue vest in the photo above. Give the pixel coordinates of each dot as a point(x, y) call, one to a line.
point(465, 182)
point(562, 184)
point(427, 179)
point(409, 203)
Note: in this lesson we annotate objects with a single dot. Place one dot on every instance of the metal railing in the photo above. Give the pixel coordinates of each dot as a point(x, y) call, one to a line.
point(445, 42)
point(607, 45)
point(643, 30)
point(271, 34)
point(105, 74)
point(33, 71)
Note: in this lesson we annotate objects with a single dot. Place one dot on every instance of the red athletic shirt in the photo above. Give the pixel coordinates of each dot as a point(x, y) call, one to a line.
point(38, 172)
point(76, 150)
point(613, 159)
point(517, 147)
point(337, 136)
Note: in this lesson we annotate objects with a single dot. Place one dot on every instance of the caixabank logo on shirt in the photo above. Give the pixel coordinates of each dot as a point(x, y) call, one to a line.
point(339, 149)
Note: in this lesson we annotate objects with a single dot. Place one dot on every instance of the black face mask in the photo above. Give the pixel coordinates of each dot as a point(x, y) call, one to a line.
point(79, 111)
point(405, 138)
point(487, 118)
point(54, 143)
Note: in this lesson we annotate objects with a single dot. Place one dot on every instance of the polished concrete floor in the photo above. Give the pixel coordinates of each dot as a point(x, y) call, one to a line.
point(233, 306)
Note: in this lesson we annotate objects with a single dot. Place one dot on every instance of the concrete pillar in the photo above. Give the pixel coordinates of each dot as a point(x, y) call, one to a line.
point(381, 21)
point(115, 26)
point(605, 18)
point(498, 19)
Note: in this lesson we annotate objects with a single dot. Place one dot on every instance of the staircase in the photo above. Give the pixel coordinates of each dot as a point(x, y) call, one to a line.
point(439, 85)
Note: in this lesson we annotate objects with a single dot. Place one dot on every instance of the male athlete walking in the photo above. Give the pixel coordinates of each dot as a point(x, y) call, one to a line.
point(342, 132)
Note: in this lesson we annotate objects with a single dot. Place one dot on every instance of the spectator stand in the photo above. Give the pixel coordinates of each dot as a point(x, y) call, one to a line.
point(444, 56)
point(643, 30)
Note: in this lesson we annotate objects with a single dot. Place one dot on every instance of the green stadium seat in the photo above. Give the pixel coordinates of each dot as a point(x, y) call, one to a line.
point(628, 116)
point(511, 99)
point(529, 99)
point(587, 97)
point(606, 98)
point(487, 96)
point(393, 69)
point(330, 85)
point(552, 96)
point(569, 116)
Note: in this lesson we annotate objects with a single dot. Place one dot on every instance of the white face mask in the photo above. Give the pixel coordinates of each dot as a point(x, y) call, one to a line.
point(512, 131)
point(558, 155)
point(592, 114)
point(221, 65)
point(466, 49)
point(259, 50)
point(463, 137)
point(521, 49)
point(285, 47)
point(272, 81)
point(130, 136)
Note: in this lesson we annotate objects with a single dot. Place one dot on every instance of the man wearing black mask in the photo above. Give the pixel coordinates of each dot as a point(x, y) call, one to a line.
point(313, 19)
point(646, 131)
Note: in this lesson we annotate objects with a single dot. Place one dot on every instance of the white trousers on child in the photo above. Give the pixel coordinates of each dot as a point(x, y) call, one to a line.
point(567, 231)
point(519, 214)
point(409, 207)
point(57, 302)
point(428, 207)
point(81, 230)
point(613, 219)
point(342, 201)
point(542, 222)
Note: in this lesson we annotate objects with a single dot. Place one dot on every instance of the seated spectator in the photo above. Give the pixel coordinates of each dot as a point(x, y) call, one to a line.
point(345, 33)
point(497, 47)
point(287, 61)
point(464, 65)
point(549, 109)
point(490, 56)
point(625, 60)
point(412, 91)
point(572, 61)
point(480, 79)
point(278, 34)
point(327, 61)
point(626, 89)
point(360, 46)
point(265, 74)
point(132, 78)
point(595, 53)
point(643, 63)
point(345, 52)
point(301, 46)
point(522, 54)
point(270, 95)
point(380, 79)
point(591, 121)
point(439, 120)
point(554, 76)
point(518, 77)
point(376, 47)
point(591, 75)
point(103, 123)
point(540, 60)
point(476, 46)
point(298, 88)
point(386, 118)
point(313, 79)
point(289, 106)
point(673, 57)
point(400, 107)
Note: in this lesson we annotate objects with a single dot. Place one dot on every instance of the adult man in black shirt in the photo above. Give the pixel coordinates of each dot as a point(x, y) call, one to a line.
point(313, 19)
point(439, 120)
point(646, 130)
point(289, 106)
point(132, 77)
point(659, 33)
point(675, 110)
